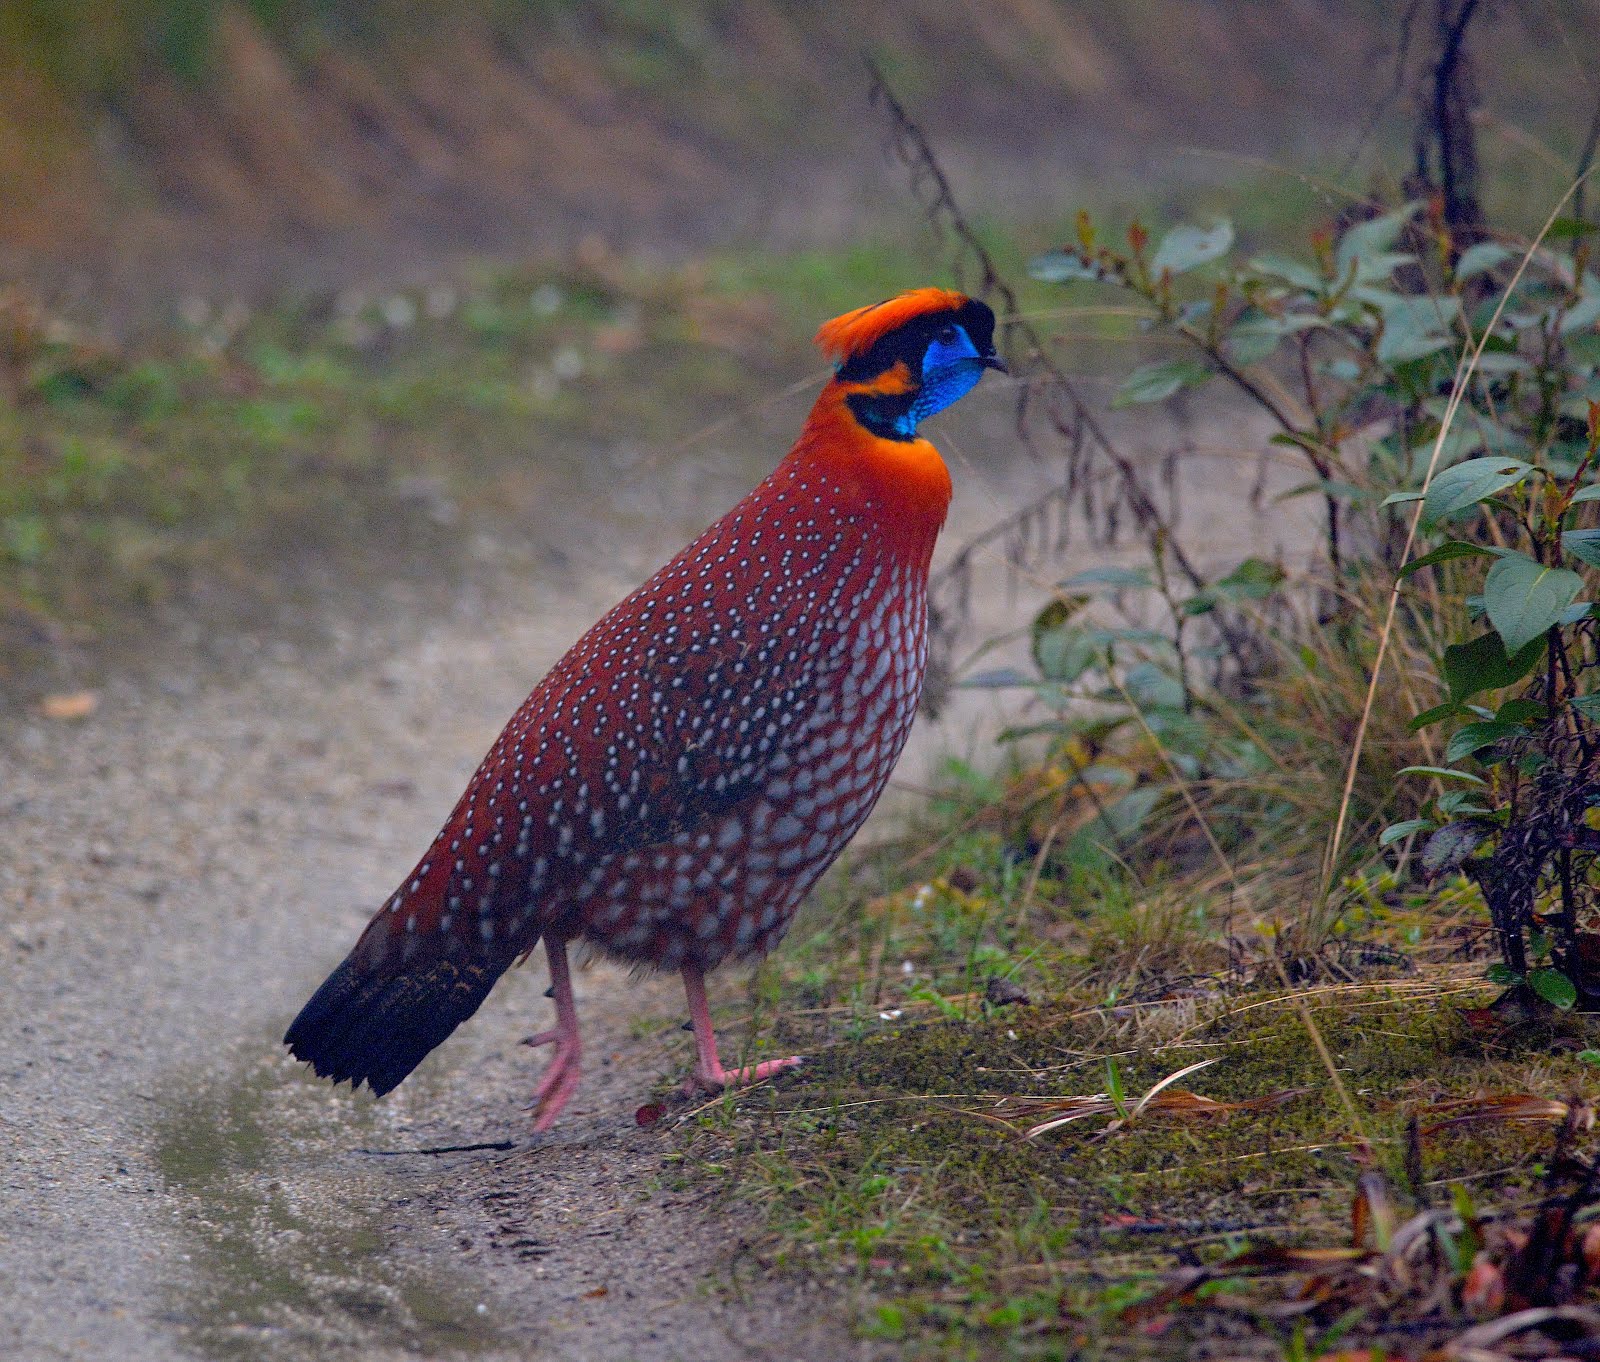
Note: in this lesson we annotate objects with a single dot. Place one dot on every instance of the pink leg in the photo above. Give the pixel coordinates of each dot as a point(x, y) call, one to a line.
point(560, 1078)
point(708, 1071)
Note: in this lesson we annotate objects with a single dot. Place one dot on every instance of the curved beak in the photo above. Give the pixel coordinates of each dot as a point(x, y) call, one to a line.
point(993, 361)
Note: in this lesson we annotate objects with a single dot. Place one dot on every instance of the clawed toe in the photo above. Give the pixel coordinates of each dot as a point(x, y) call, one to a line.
point(718, 1079)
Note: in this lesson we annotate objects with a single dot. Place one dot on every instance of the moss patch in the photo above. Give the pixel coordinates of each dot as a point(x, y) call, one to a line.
point(896, 1159)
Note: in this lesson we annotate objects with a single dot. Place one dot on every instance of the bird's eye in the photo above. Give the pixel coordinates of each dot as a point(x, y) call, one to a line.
point(947, 336)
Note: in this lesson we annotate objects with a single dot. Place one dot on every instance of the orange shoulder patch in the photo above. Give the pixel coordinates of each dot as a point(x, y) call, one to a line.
point(857, 332)
point(890, 383)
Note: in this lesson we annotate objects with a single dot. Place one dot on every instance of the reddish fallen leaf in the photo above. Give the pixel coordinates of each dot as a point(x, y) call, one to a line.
point(1589, 1253)
point(1483, 1292)
point(1481, 1018)
point(597, 1293)
point(79, 704)
point(649, 1114)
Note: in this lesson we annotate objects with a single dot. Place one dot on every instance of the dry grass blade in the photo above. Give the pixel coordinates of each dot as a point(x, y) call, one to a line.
point(1077, 1109)
point(1495, 1331)
point(1161, 1100)
point(1372, 1209)
point(1168, 1081)
point(1511, 1107)
point(1183, 1286)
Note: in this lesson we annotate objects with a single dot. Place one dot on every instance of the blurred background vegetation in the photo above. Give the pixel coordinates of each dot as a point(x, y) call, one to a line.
point(148, 146)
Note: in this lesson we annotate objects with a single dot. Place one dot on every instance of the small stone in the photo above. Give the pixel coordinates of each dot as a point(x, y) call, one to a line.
point(1002, 992)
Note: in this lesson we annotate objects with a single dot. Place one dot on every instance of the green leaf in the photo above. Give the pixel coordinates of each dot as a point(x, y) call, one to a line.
point(1589, 493)
point(1125, 816)
point(1252, 580)
point(1585, 312)
point(1485, 255)
point(1588, 706)
point(1060, 267)
point(1061, 650)
point(1584, 545)
point(1253, 339)
point(1475, 737)
point(1482, 664)
point(1116, 578)
point(1156, 382)
point(1395, 831)
point(1290, 271)
point(1437, 714)
point(1565, 229)
point(1443, 773)
point(997, 678)
point(1554, 987)
point(1372, 238)
point(1502, 974)
point(1448, 848)
point(1399, 498)
point(1185, 247)
point(1466, 484)
point(1524, 598)
point(1447, 552)
point(1152, 688)
point(1415, 325)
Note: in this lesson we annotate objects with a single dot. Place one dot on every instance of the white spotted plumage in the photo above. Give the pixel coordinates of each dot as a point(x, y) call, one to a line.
point(680, 779)
point(741, 711)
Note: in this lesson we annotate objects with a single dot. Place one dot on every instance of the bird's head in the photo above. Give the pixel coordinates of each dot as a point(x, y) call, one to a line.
point(901, 360)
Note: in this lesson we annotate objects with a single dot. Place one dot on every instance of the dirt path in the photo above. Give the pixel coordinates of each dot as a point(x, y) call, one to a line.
point(178, 871)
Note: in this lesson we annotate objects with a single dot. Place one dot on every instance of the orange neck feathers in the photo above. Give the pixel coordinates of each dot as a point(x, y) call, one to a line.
point(903, 484)
point(895, 362)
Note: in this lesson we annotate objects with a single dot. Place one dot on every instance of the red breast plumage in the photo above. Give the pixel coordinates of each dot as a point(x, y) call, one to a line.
point(681, 778)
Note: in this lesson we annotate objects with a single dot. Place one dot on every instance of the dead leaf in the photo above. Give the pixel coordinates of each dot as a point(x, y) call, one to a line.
point(1373, 1209)
point(1511, 1107)
point(1589, 1251)
point(1483, 1292)
point(78, 704)
point(649, 1114)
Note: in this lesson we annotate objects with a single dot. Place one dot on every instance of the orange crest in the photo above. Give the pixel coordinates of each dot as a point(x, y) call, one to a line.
point(857, 332)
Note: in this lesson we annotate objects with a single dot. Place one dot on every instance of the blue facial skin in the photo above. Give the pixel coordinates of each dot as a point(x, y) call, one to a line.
point(951, 368)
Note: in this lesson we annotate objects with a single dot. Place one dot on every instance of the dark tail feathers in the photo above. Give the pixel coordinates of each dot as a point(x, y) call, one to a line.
point(374, 1026)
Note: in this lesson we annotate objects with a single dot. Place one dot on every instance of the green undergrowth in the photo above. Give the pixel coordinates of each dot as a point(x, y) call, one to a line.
point(954, 986)
point(893, 1160)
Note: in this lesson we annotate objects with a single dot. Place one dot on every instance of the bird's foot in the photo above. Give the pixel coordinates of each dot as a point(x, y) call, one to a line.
point(714, 1078)
point(560, 1078)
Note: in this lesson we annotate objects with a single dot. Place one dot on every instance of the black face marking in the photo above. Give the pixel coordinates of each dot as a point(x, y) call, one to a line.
point(891, 416)
point(910, 341)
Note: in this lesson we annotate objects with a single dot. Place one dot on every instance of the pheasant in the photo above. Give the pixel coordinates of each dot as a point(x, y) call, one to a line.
point(683, 776)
